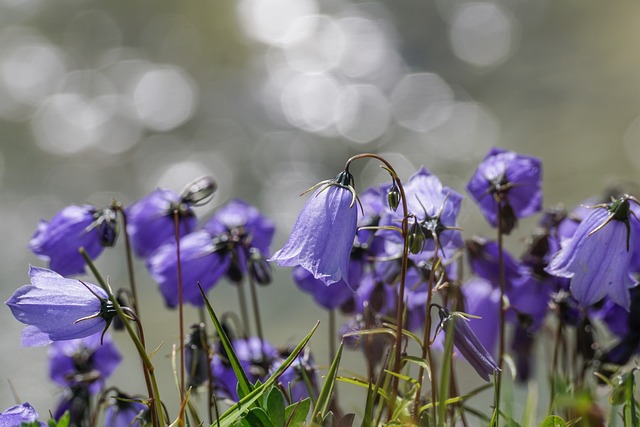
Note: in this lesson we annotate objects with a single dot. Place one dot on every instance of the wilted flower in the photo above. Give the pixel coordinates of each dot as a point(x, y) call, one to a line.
point(125, 412)
point(466, 342)
point(510, 182)
point(57, 309)
point(17, 415)
point(74, 227)
point(89, 360)
point(322, 237)
point(597, 257)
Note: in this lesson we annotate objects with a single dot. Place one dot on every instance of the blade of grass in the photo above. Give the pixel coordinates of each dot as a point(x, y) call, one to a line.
point(324, 398)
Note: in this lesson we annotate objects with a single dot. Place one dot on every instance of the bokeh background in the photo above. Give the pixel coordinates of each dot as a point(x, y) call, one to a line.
point(111, 99)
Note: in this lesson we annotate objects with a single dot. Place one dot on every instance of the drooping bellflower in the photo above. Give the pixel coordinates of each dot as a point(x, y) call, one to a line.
point(322, 237)
point(90, 360)
point(510, 182)
point(56, 309)
point(466, 342)
point(125, 412)
point(597, 257)
point(150, 220)
point(59, 240)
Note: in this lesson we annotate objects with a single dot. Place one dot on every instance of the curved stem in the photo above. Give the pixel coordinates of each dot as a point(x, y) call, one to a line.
point(155, 405)
point(397, 360)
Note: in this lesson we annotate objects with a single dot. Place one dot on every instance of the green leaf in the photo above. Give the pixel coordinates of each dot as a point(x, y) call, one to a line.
point(296, 413)
point(367, 419)
point(274, 404)
point(64, 420)
point(553, 421)
point(258, 417)
point(244, 386)
point(324, 398)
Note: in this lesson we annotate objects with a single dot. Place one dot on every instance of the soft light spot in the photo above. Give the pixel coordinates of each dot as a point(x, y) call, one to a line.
point(273, 22)
point(310, 101)
point(363, 113)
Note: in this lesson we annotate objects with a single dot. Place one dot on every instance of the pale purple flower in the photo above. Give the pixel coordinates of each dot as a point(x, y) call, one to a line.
point(58, 309)
point(60, 239)
point(323, 235)
point(18, 414)
point(509, 181)
point(125, 412)
point(598, 255)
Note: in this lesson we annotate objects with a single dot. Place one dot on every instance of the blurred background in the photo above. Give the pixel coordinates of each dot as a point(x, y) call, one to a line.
point(103, 100)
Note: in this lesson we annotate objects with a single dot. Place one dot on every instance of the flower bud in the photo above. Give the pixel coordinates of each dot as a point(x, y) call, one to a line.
point(107, 226)
point(416, 238)
point(259, 268)
point(393, 197)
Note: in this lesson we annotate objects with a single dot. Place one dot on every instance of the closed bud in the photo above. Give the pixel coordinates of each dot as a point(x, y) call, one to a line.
point(199, 191)
point(393, 197)
point(259, 268)
point(416, 238)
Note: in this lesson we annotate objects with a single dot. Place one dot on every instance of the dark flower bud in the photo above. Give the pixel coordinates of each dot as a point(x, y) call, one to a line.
point(416, 238)
point(585, 342)
point(393, 196)
point(106, 224)
point(259, 268)
point(196, 356)
point(199, 191)
point(508, 218)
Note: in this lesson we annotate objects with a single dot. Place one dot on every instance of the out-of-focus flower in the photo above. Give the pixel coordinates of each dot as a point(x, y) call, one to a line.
point(322, 237)
point(236, 233)
point(150, 221)
point(466, 342)
point(77, 401)
point(59, 240)
point(196, 357)
point(58, 309)
point(597, 257)
point(329, 297)
point(89, 360)
point(18, 414)
point(125, 412)
point(300, 379)
point(510, 182)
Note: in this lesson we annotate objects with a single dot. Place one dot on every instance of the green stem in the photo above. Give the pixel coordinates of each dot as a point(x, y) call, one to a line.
point(127, 244)
point(152, 386)
point(176, 227)
point(503, 310)
point(397, 360)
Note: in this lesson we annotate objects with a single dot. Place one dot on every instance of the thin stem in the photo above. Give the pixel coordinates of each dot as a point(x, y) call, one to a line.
point(256, 308)
point(176, 227)
point(426, 346)
point(554, 365)
point(155, 405)
point(127, 244)
point(503, 310)
point(332, 335)
point(242, 302)
point(397, 360)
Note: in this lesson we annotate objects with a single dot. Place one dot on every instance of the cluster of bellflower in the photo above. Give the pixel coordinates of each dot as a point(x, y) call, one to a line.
point(347, 250)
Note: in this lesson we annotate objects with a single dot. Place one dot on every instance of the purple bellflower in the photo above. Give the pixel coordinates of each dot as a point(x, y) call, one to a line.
point(598, 255)
point(17, 415)
point(466, 342)
point(232, 242)
point(510, 182)
point(322, 237)
point(56, 309)
point(150, 221)
point(125, 412)
point(59, 240)
point(89, 360)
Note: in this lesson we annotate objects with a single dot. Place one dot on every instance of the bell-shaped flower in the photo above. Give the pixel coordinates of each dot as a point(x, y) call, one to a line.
point(598, 255)
point(510, 182)
point(59, 240)
point(58, 309)
point(323, 235)
point(150, 221)
point(89, 360)
point(466, 342)
point(125, 412)
point(18, 415)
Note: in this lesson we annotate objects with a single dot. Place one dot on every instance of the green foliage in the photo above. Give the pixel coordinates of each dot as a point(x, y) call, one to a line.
point(322, 404)
point(553, 421)
point(64, 421)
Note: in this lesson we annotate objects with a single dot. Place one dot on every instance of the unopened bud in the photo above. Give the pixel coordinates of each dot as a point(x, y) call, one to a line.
point(106, 223)
point(393, 197)
point(199, 191)
point(259, 268)
point(416, 238)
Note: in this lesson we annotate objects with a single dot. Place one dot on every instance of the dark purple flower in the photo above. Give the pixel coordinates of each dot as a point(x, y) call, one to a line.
point(300, 378)
point(76, 401)
point(18, 414)
point(202, 262)
point(597, 257)
point(484, 261)
point(125, 412)
point(466, 342)
point(59, 240)
point(150, 221)
point(509, 181)
point(329, 297)
point(58, 309)
point(322, 237)
point(90, 360)
point(256, 357)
